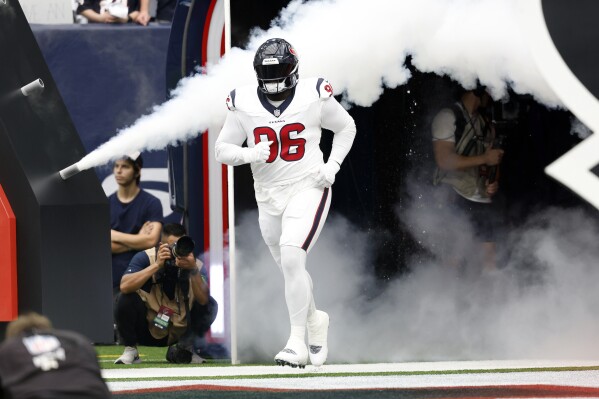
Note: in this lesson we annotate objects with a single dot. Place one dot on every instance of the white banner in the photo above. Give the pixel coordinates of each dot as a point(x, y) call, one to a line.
point(48, 11)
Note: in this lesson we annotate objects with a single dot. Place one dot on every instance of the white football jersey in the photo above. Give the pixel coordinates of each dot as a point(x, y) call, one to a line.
point(293, 126)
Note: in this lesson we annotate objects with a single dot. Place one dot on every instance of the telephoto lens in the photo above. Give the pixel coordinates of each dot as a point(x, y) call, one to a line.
point(183, 247)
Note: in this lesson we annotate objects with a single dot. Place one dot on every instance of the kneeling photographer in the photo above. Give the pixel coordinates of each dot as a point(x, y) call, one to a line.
point(165, 300)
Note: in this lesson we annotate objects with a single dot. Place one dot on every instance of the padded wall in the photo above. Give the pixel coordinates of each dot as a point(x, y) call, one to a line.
point(63, 244)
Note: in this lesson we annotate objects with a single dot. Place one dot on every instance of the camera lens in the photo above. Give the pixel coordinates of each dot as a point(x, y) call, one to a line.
point(183, 247)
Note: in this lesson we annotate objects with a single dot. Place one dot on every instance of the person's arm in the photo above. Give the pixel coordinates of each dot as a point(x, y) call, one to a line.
point(335, 118)
point(142, 16)
point(446, 157)
point(228, 147)
point(146, 238)
point(105, 17)
point(198, 285)
point(340, 122)
point(141, 269)
point(117, 248)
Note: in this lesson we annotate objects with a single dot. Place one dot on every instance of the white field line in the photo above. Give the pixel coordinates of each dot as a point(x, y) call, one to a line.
point(229, 376)
point(232, 371)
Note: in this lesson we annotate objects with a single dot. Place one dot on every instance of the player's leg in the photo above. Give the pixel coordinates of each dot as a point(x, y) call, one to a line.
point(270, 227)
point(302, 223)
point(298, 296)
point(295, 352)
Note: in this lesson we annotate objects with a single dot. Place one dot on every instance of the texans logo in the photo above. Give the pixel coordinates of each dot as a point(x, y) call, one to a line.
point(561, 38)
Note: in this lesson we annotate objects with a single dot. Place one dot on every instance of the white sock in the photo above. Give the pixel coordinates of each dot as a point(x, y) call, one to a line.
point(298, 332)
point(312, 307)
point(275, 251)
point(298, 290)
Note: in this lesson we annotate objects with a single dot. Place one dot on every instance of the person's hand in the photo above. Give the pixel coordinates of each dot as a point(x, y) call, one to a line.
point(186, 262)
point(493, 156)
point(108, 18)
point(326, 174)
point(492, 187)
point(143, 18)
point(164, 253)
point(259, 153)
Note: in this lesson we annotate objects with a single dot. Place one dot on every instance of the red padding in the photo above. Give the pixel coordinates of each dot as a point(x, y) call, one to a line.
point(8, 260)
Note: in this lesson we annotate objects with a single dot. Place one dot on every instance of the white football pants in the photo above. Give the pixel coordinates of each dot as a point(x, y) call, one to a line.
point(290, 236)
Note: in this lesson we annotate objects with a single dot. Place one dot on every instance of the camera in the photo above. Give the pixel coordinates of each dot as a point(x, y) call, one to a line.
point(180, 249)
point(178, 355)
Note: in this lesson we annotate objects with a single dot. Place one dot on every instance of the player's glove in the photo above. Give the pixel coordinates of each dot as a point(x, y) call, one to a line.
point(326, 174)
point(257, 154)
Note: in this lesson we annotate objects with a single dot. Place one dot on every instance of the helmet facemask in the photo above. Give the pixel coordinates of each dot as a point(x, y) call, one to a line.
point(278, 84)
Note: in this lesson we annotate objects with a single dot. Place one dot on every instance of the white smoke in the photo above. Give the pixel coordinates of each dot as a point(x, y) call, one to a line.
point(360, 49)
point(540, 304)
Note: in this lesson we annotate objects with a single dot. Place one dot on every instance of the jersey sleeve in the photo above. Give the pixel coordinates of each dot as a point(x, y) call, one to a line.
point(335, 118)
point(228, 149)
point(324, 88)
point(154, 211)
point(140, 261)
point(443, 126)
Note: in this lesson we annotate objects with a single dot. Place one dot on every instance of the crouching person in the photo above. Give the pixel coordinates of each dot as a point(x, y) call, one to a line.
point(165, 300)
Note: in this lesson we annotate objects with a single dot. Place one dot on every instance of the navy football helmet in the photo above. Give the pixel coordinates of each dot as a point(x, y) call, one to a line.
point(276, 65)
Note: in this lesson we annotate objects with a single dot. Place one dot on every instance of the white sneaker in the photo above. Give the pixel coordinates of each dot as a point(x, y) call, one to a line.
point(196, 359)
point(317, 338)
point(129, 356)
point(295, 354)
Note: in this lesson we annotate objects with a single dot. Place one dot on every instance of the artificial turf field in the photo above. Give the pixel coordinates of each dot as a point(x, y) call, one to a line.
point(155, 378)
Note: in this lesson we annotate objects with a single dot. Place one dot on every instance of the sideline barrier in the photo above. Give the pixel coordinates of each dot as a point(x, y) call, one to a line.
point(8, 260)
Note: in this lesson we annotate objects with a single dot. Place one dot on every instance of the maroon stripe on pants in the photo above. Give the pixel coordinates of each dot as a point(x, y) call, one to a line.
point(317, 217)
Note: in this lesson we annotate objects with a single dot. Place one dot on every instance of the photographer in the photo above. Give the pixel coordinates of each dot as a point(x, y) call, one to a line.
point(165, 300)
point(39, 361)
point(466, 175)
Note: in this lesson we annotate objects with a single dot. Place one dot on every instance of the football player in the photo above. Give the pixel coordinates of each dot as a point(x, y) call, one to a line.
point(282, 120)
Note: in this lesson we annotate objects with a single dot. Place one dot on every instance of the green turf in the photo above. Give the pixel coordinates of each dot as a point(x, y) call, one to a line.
point(155, 357)
point(150, 357)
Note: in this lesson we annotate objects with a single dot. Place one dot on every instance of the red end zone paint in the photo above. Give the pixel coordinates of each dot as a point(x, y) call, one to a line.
point(8, 260)
point(463, 392)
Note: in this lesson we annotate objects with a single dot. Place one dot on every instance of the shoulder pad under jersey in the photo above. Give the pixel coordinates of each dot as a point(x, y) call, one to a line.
point(231, 101)
point(324, 88)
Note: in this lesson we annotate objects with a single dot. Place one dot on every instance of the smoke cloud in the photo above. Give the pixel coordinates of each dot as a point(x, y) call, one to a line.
point(361, 50)
point(541, 303)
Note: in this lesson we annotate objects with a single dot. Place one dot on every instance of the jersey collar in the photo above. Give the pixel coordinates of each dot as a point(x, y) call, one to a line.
point(276, 111)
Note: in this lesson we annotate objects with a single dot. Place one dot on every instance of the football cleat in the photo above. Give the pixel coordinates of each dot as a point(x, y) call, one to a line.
point(197, 359)
point(295, 354)
point(317, 338)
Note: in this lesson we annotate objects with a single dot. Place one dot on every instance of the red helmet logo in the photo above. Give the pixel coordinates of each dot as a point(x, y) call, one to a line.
point(292, 51)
